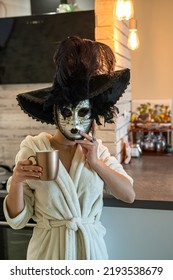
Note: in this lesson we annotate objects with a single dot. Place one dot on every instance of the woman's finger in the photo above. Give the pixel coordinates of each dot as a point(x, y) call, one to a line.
point(93, 130)
point(26, 170)
point(86, 136)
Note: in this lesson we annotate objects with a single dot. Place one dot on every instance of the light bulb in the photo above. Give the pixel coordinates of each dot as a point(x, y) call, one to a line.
point(119, 9)
point(133, 39)
point(129, 12)
point(124, 9)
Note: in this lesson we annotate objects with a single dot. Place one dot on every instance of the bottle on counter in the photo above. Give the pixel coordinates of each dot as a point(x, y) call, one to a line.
point(160, 143)
point(149, 143)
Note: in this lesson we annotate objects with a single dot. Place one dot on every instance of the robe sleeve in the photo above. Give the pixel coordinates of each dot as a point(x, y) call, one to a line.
point(21, 220)
point(112, 162)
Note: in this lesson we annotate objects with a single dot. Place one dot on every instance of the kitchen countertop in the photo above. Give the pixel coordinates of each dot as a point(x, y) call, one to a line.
point(153, 183)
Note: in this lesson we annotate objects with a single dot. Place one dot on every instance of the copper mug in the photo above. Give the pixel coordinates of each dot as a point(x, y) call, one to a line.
point(49, 161)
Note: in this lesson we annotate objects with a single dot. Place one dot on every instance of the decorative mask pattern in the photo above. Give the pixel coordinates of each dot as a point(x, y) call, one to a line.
point(70, 119)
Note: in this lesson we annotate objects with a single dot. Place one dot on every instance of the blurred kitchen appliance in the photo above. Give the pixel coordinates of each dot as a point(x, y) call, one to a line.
point(13, 243)
point(5, 173)
point(28, 43)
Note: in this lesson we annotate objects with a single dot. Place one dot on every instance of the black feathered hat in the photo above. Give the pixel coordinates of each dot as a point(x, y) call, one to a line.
point(84, 70)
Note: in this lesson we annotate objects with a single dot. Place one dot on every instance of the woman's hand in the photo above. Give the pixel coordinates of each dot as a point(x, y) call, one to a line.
point(89, 145)
point(26, 170)
point(23, 170)
point(119, 184)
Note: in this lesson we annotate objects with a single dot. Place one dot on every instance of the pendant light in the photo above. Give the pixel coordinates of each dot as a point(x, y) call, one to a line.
point(133, 39)
point(124, 9)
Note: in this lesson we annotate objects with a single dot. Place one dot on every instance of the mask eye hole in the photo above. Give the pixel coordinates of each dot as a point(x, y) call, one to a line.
point(67, 113)
point(83, 112)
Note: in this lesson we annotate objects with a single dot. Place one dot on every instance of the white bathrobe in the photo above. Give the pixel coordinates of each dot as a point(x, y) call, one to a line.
point(67, 211)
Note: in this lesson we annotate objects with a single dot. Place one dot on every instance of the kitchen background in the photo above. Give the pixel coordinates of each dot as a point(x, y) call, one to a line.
point(150, 65)
point(106, 30)
point(135, 233)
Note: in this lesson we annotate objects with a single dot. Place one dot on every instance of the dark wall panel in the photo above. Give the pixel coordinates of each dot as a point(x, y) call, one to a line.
point(27, 44)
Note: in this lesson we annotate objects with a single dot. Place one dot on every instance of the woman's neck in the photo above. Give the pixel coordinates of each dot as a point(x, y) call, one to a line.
point(59, 139)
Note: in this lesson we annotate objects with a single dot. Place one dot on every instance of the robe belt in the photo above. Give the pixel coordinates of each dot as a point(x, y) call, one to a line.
point(72, 224)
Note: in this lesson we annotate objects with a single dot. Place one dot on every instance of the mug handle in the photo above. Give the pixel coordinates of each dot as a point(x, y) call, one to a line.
point(32, 156)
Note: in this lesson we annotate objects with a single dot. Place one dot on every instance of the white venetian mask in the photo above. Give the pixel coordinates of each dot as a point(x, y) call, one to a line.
point(70, 120)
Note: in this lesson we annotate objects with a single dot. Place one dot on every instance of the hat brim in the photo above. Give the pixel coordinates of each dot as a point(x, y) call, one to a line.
point(33, 102)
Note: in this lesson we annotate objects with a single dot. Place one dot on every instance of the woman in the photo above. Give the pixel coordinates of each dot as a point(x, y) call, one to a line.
point(67, 211)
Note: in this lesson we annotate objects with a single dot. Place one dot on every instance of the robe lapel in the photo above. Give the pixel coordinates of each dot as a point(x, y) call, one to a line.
point(68, 189)
point(77, 166)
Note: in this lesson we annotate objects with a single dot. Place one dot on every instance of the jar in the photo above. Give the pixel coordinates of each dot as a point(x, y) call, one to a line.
point(135, 150)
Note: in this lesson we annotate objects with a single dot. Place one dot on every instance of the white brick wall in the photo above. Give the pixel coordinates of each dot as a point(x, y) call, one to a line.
point(14, 124)
point(115, 34)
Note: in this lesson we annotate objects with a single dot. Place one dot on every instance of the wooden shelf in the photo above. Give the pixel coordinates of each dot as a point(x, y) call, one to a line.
point(136, 133)
point(141, 129)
